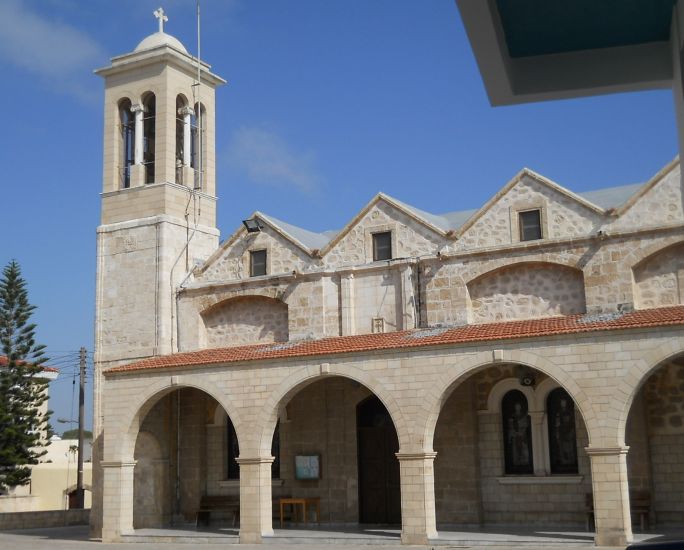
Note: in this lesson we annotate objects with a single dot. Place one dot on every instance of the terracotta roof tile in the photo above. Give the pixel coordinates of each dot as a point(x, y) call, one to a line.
point(417, 338)
point(3, 363)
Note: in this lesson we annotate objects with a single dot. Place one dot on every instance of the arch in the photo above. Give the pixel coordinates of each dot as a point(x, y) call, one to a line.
point(149, 103)
point(182, 117)
point(125, 445)
point(246, 319)
point(450, 380)
point(637, 376)
point(199, 143)
point(526, 290)
point(261, 440)
point(656, 277)
point(502, 387)
point(126, 141)
point(639, 254)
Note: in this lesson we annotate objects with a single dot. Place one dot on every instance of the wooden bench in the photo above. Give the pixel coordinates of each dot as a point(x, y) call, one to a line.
point(217, 503)
point(639, 504)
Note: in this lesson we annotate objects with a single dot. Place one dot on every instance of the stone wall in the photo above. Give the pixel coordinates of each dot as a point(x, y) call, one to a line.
point(526, 291)
point(246, 320)
point(39, 520)
point(660, 279)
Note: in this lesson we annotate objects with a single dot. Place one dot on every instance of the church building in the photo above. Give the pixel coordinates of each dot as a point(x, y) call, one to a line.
point(519, 364)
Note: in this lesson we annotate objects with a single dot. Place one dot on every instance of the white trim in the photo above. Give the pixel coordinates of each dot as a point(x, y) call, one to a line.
point(502, 387)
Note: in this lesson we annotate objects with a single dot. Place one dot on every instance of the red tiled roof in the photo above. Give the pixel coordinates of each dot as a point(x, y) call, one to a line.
point(3, 363)
point(417, 338)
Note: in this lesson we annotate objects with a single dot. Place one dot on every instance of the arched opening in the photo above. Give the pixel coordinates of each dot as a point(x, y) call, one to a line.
point(654, 433)
point(182, 136)
point(199, 144)
point(182, 464)
point(126, 142)
point(510, 453)
point(337, 445)
point(149, 135)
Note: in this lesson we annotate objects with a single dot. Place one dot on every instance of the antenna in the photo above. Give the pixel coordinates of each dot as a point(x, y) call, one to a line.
point(200, 160)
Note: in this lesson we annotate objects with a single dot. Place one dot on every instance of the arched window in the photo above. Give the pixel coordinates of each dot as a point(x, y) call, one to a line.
point(517, 433)
point(149, 119)
point(199, 144)
point(127, 142)
point(560, 409)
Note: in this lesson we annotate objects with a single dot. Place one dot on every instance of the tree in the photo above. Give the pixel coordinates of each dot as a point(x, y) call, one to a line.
point(24, 429)
point(73, 434)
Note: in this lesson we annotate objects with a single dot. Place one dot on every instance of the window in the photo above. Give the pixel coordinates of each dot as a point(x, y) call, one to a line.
point(530, 225)
point(562, 436)
point(257, 263)
point(382, 246)
point(233, 452)
point(517, 433)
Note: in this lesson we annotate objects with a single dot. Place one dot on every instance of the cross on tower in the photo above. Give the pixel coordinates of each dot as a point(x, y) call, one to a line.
point(159, 14)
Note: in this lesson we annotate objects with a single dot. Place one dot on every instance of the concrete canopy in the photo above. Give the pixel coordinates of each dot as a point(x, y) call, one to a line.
point(536, 50)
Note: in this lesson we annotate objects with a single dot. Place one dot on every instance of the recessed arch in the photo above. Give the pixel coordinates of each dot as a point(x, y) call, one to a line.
point(525, 290)
point(656, 278)
point(450, 380)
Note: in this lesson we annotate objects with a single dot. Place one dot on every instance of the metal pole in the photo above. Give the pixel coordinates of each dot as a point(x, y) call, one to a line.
point(80, 500)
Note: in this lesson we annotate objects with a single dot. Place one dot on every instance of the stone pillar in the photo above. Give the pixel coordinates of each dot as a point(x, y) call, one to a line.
point(117, 519)
point(611, 495)
point(256, 510)
point(347, 305)
point(418, 523)
point(188, 172)
point(409, 299)
point(138, 169)
point(677, 42)
point(539, 450)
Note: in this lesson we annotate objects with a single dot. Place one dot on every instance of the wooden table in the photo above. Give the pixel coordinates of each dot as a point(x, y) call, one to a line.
point(304, 502)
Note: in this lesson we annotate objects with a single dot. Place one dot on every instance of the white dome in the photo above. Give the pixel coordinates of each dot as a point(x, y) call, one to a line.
point(160, 39)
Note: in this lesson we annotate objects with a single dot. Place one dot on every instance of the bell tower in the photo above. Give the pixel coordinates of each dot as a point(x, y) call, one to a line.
point(158, 193)
point(158, 202)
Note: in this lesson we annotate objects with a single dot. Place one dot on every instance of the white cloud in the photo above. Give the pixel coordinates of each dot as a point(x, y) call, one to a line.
point(62, 55)
point(267, 159)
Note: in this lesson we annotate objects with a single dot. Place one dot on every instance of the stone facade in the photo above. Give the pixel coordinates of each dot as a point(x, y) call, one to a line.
point(166, 286)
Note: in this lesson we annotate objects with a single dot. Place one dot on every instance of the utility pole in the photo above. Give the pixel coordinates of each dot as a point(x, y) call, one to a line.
point(80, 500)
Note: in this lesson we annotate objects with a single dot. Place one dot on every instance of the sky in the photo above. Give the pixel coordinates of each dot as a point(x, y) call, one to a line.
point(327, 103)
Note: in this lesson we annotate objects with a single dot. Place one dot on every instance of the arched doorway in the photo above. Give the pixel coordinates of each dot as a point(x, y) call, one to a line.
point(379, 483)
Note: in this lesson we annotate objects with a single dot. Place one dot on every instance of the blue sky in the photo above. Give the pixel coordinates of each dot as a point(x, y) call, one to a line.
point(328, 102)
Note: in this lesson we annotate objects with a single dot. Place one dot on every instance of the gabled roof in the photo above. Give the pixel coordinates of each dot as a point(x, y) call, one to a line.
point(417, 338)
point(607, 201)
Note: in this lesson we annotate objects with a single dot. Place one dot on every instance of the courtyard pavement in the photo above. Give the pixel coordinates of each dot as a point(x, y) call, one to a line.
point(288, 539)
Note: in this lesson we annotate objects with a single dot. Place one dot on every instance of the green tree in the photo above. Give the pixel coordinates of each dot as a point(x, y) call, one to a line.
point(24, 429)
point(73, 434)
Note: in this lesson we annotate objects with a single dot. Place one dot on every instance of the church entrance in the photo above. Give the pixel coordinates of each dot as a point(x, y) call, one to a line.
point(379, 484)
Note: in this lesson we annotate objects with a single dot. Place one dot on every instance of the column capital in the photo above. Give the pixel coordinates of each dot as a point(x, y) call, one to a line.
point(422, 455)
point(185, 111)
point(254, 460)
point(607, 451)
point(138, 107)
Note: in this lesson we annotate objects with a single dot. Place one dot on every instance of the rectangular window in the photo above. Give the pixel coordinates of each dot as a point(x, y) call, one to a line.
point(382, 246)
point(257, 263)
point(530, 225)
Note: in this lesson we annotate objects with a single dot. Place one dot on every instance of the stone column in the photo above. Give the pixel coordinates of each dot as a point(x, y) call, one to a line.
point(188, 172)
point(117, 519)
point(539, 450)
point(611, 495)
point(256, 510)
point(418, 523)
point(138, 169)
point(347, 305)
point(409, 299)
